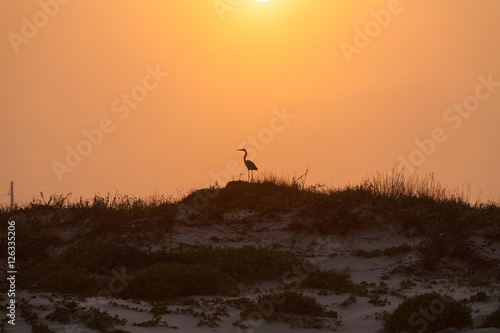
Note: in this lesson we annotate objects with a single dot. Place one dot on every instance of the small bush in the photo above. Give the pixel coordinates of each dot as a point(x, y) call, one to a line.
point(275, 306)
point(101, 320)
point(162, 281)
point(70, 280)
point(378, 301)
point(428, 312)
point(493, 319)
point(248, 263)
point(333, 280)
point(64, 312)
point(481, 296)
point(407, 284)
point(350, 300)
point(28, 313)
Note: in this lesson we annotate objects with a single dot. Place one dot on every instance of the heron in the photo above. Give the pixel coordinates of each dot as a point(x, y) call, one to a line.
point(250, 165)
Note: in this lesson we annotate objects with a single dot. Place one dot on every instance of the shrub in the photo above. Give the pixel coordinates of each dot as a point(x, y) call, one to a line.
point(378, 301)
point(248, 263)
point(480, 296)
point(101, 321)
point(429, 312)
point(330, 280)
point(31, 317)
point(70, 280)
point(276, 306)
point(493, 319)
point(64, 312)
point(68, 312)
point(172, 280)
point(350, 300)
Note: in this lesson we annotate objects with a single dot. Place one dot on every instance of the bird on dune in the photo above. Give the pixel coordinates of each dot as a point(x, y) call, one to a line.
point(250, 165)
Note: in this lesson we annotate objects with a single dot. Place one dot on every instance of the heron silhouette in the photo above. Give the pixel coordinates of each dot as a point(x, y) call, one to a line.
point(250, 165)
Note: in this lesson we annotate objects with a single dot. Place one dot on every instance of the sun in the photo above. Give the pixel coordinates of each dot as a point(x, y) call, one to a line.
point(261, 0)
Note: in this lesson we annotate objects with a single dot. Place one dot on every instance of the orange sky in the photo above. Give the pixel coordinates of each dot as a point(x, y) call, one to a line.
point(361, 83)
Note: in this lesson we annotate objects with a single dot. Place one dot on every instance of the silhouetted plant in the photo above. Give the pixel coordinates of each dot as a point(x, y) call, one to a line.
point(492, 320)
point(163, 281)
point(331, 280)
point(429, 312)
point(284, 306)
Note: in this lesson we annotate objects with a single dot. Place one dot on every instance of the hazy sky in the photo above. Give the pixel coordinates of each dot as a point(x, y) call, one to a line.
point(138, 96)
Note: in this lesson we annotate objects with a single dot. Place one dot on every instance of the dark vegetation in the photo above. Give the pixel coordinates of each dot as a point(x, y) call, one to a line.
point(390, 251)
point(493, 319)
point(163, 281)
point(69, 312)
point(287, 306)
point(330, 280)
point(79, 247)
point(87, 268)
point(428, 312)
point(116, 231)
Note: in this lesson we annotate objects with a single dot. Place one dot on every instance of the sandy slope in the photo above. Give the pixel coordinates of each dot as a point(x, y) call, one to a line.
point(326, 251)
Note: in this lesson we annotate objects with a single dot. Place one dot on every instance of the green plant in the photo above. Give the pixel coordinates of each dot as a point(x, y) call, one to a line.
point(350, 300)
point(69, 280)
point(377, 300)
point(31, 317)
point(247, 263)
point(154, 322)
point(170, 280)
point(101, 320)
point(481, 296)
point(332, 279)
point(64, 312)
point(407, 284)
point(452, 240)
point(429, 312)
point(280, 305)
point(492, 320)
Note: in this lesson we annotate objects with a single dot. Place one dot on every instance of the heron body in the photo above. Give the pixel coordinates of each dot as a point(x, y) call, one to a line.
point(249, 164)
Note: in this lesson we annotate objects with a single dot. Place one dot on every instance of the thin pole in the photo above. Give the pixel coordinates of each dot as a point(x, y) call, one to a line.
point(11, 195)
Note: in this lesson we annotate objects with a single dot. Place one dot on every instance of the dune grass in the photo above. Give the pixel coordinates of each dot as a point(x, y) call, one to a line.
point(267, 192)
point(446, 312)
point(291, 307)
point(409, 202)
point(110, 204)
point(172, 280)
point(88, 267)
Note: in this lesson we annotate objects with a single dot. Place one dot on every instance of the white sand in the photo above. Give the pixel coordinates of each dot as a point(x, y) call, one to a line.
point(249, 228)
